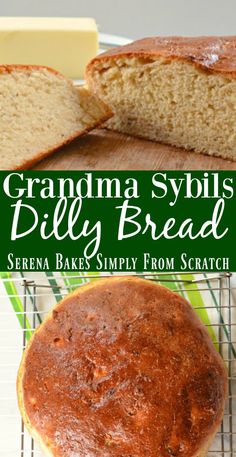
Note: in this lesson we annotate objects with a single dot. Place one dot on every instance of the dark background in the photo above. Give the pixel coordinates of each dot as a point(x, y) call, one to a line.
point(104, 209)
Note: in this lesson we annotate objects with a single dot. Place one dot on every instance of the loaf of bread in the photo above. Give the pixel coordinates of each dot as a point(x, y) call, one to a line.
point(40, 111)
point(175, 90)
point(122, 367)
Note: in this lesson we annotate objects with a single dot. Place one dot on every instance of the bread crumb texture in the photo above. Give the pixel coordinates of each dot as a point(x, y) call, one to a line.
point(169, 101)
point(40, 111)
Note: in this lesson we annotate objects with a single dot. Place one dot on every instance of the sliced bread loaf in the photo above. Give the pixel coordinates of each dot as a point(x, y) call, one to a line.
point(41, 110)
point(179, 91)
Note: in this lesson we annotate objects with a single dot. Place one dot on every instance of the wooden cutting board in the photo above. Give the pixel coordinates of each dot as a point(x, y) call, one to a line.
point(107, 150)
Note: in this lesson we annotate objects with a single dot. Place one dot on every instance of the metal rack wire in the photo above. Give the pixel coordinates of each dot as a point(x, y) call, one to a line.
point(34, 292)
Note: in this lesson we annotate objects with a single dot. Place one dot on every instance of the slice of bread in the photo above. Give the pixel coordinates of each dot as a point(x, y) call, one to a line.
point(179, 91)
point(41, 110)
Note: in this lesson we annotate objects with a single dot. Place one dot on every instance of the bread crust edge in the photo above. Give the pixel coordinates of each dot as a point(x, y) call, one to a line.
point(134, 49)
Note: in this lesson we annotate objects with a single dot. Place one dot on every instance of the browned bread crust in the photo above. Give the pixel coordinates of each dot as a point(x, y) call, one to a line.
point(122, 367)
point(10, 68)
point(211, 54)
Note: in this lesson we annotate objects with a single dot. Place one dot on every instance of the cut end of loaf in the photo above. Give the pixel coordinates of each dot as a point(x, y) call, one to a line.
point(168, 100)
point(40, 111)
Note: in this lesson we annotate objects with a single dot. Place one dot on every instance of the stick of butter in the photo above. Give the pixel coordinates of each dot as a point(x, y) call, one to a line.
point(66, 44)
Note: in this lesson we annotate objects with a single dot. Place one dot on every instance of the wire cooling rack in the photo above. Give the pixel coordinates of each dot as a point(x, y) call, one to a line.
point(34, 293)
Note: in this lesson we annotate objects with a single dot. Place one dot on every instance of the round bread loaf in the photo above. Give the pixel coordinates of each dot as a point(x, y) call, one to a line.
point(122, 367)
